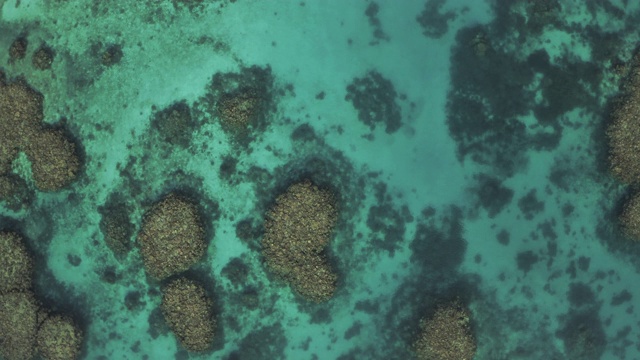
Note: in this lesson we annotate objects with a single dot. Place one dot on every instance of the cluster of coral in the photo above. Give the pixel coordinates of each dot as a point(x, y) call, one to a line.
point(297, 229)
point(188, 311)
point(238, 110)
point(54, 159)
point(26, 328)
point(171, 240)
point(375, 98)
point(624, 146)
point(624, 131)
point(172, 236)
point(241, 102)
point(59, 338)
point(175, 124)
point(42, 58)
point(18, 49)
point(116, 227)
point(446, 335)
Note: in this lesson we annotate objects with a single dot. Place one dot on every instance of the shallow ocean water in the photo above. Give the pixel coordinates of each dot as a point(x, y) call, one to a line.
point(485, 178)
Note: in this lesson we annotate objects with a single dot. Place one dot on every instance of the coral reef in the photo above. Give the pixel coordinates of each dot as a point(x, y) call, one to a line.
point(16, 264)
point(496, 84)
point(112, 55)
point(18, 324)
point(239, 109)
point(43, 58)
point(434, 21)
point(172, 236)
point(493, 196)
point(175, 124)
point(446, 335)
point(264, 342)
point(20, 117)
point(374, 96)
point(59, 338)
point(188, 311)
point(372, 13)
point(624, 130)
point(630, 218)
point(15, 192)
point(55, 161)
point(297, 229)
point(116, 225)
point(23, 322)
point(242, 102)
point(623, 133)
point(18, 49)
point(583, 334)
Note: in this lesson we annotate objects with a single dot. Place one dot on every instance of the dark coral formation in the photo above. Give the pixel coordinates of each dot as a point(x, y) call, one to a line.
point(54, 161)
point(116, 225)
point(15, 192)
point(439, 249)
point(175, 124)
point(188, 311)
point(297, 229)
point(386, 222)
point(541, 14)
point(372, 13)
point(435, 22)
point(374, 96)
point(59, 338)
point(242, 102)
point(111, 55)
point(529, 205)
point(247, 231)
point(16, 264)
point(583, 335)
point(18, 49)
point(526, 260)
point(265, 342)
point(54, 158)
point(492, 194)
point(193, 6)
point(495, 88)
point(171, 238)
point(446, 335)
point(43, 58)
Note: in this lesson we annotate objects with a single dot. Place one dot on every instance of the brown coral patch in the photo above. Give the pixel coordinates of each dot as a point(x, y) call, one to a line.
point(446, 335)
point(18, 324)
point(172, 237)
point(624, 131)
point(54, 161)
point(16, 264)
point(188, 312)
point(59, 338)
point(630, 218)
point(297, 229)
point(239, 110)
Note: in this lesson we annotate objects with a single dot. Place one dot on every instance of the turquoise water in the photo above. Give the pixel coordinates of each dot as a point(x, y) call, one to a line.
point(464, 140)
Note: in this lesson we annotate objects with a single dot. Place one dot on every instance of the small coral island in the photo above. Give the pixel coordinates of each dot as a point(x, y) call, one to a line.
point(297, 229)
point(446, 335)
point(26, 327)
